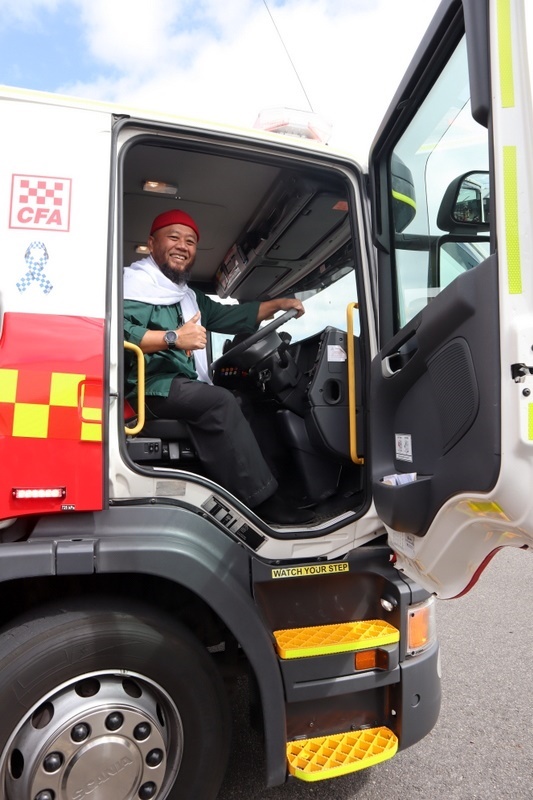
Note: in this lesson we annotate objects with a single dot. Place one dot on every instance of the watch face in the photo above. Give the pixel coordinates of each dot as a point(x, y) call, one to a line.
point(170, 338)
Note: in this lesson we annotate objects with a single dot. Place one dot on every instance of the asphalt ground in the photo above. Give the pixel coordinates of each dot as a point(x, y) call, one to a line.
point(482, 745)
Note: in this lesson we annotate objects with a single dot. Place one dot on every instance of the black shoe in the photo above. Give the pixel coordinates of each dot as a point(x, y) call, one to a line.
point(278, 511)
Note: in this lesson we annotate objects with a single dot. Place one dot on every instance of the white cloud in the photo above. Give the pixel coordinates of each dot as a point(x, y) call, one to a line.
point(225, 61)
point(130, 35)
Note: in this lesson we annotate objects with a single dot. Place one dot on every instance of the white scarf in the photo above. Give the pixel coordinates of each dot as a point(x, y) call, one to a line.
point(144, 281)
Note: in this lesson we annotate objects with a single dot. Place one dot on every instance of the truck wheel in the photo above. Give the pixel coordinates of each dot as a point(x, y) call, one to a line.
point(109, 700)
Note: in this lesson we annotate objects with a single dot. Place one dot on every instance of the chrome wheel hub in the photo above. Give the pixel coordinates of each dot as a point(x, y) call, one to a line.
point(106, 736)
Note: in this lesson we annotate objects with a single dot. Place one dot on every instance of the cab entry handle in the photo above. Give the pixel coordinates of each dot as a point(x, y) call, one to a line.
point(352, 386)
point(140, 389)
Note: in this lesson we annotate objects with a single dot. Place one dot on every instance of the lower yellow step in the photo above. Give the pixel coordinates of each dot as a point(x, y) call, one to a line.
point(331, 756)
point(341, 637)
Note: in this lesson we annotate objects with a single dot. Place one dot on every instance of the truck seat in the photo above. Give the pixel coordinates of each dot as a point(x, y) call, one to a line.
point(159, 440)
point(153, 441)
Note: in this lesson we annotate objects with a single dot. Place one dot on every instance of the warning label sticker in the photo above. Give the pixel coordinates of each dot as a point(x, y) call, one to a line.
point(310, 569)
point(40, 203)
point(404, 447)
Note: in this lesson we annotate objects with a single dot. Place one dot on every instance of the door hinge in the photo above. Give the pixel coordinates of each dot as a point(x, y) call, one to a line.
point(519, 372)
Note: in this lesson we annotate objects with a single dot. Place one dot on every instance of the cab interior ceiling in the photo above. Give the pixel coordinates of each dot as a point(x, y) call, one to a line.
point(282, 220)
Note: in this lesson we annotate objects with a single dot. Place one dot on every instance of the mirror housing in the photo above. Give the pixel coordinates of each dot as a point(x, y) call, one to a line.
point(465, 205)
point(403, 194)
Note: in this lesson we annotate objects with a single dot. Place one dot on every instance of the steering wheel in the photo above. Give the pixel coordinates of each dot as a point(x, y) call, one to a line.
point(255, 337)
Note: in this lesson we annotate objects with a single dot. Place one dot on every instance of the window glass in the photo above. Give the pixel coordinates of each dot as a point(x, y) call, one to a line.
point(325, 306)
point(325, 293)
point(442, 143)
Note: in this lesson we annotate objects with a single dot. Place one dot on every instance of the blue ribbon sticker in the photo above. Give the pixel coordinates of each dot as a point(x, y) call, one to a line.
point(36, 258)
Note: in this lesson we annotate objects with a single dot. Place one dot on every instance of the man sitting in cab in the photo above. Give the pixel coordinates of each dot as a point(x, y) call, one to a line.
point(169, 321)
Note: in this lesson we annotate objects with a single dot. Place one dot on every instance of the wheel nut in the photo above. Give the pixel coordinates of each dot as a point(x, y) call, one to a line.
point(52, 762)
point(114, 721)
point(46, 794)
point(142, 731)
point(80, 732)
point(154, 758)
point(147, 790)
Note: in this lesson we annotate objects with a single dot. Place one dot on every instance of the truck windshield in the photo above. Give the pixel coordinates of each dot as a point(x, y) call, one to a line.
point(325, 293)
point(325, 306)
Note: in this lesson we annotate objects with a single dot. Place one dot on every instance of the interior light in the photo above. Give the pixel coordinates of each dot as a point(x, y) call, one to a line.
point(142, 249)
point(158, 187)
point(39, 493)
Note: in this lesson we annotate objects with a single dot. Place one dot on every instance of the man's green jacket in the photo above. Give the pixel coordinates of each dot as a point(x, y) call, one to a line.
point(162, 367)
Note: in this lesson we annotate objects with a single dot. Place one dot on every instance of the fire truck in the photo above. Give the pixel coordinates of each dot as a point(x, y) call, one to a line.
point(398, 409)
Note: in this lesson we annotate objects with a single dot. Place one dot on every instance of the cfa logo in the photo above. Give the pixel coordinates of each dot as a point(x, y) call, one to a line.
point(40, 203)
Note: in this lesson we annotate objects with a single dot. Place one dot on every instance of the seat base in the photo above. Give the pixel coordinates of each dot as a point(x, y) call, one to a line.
point(162, 440)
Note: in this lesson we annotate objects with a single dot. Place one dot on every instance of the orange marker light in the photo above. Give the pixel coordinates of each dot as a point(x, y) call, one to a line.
point(372, 659)
point(365, 659)
point(421, 629)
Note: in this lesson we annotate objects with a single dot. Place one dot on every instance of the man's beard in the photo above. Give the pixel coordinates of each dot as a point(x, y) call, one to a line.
point(180, 278)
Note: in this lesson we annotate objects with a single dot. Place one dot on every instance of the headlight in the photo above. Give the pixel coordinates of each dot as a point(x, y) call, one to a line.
point(421, 626)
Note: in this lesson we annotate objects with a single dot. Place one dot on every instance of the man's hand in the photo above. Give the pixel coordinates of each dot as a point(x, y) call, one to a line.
point(268, 308)
point(192, 336)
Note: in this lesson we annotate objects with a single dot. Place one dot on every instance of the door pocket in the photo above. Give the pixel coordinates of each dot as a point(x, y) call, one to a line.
point(404, 507)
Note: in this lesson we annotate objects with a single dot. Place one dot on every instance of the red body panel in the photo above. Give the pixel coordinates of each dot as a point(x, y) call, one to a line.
point(51, 412)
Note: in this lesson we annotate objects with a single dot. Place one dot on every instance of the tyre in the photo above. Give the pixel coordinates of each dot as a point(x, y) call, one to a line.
point(109, 701)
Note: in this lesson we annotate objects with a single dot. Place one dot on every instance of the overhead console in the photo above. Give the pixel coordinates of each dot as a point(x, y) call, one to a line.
point(298, 225)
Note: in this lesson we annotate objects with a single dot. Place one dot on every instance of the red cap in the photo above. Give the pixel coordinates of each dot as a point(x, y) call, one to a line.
point(174, 217)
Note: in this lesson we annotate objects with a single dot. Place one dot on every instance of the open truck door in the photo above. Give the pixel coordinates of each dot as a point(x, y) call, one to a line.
point(451, 177)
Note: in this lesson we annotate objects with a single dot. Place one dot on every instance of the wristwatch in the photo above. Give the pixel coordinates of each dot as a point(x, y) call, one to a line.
point(171, 339)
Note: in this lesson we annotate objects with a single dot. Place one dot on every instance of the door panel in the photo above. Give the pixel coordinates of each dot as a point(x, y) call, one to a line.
point(435, 383)
point(452, 199)
point(440, 398)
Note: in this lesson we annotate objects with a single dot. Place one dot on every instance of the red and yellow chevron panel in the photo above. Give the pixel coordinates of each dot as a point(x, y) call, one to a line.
point(51, 411)
point(56, 405)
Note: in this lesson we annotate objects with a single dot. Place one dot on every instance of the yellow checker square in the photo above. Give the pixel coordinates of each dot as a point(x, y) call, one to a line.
point(64, 389)
point(91, 432)
point(90, 414)
point(8, 385)
point(30, 420)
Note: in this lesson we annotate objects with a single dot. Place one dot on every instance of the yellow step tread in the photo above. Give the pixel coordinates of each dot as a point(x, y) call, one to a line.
point(337, 638)
point(331, 756)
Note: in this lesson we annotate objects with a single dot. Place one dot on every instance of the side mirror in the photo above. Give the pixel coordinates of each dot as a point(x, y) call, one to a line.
point(465, 205)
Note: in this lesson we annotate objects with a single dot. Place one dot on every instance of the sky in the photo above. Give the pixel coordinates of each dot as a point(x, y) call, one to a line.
point(220, 60)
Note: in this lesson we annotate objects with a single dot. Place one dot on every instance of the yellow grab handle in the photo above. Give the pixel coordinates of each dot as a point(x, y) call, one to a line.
point(140, 389)
point(352, 394)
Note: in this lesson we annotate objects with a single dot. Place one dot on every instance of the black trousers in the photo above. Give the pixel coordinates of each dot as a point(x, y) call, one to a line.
point(223, 439)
